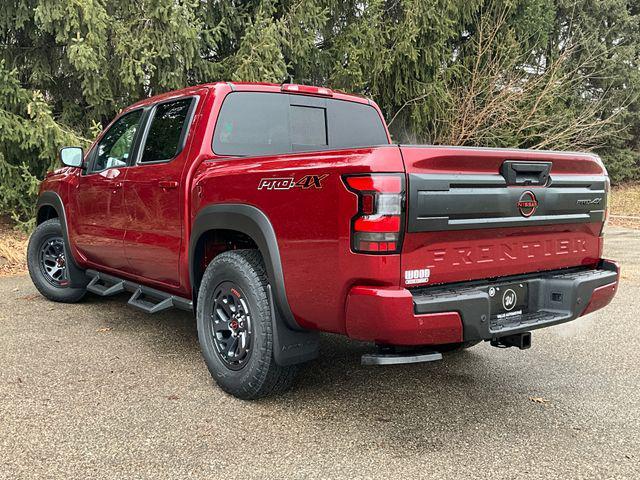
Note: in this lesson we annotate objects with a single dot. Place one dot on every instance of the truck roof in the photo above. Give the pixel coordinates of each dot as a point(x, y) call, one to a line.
point(247, 87)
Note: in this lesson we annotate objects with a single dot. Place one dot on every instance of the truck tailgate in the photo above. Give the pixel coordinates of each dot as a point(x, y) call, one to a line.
point(484, 213)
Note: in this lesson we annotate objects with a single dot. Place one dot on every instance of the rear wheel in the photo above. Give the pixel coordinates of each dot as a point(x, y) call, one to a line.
point(235, 327)
point(47, 262)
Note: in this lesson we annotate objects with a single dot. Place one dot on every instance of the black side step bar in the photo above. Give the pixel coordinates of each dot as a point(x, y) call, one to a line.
point(100, 286)
point(145, 302)
point(145, 298)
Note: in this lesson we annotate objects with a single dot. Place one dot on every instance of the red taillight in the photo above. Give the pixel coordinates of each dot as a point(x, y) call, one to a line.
point(376, 183)
point(377, 228)
point(377, 223)
point(306, 89)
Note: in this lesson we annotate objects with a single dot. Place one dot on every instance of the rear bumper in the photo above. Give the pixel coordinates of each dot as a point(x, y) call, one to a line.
point(462, 312)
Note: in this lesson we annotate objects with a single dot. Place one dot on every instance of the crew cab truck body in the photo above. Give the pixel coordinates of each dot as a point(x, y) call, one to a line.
point(276, 212)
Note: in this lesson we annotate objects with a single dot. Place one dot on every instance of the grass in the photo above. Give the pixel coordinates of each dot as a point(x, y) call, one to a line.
point(13, 248)
point(625, 202)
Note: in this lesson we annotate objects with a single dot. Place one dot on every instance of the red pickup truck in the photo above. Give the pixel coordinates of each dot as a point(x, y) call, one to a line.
point(278, 211)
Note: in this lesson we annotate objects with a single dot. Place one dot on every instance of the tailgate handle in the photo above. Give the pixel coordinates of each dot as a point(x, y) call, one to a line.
point(525, 173)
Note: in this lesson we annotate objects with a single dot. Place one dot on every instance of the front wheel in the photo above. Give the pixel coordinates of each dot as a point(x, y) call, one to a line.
point(235, 327)
point(47, 263)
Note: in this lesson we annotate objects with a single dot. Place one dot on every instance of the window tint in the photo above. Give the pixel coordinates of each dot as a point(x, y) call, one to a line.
point(252, 123)
point(115, 146)
point(355, 125)
point(165, 133)
point(308, 126)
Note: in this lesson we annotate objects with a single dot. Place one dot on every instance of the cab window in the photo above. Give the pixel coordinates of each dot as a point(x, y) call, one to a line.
point(167, 131)
point(115, 147)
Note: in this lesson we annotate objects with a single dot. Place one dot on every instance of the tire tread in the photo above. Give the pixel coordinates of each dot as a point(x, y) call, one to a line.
point(56, 294)
point(267, 378)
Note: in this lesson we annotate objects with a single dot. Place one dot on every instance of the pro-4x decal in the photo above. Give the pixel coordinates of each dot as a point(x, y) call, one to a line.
point(287, 183)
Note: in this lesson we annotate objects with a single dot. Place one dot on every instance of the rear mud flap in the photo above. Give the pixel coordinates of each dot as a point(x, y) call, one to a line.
point(291, 347)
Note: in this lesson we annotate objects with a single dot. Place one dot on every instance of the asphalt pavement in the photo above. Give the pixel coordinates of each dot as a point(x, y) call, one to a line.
point(101, 390)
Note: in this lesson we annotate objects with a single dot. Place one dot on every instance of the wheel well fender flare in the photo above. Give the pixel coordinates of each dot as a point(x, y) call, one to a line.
point(250, 221)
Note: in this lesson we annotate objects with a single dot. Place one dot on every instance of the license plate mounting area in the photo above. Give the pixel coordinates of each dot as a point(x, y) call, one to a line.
point(508, 300)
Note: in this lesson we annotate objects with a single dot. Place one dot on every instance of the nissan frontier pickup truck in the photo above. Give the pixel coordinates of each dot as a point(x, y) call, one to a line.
point(274, 212)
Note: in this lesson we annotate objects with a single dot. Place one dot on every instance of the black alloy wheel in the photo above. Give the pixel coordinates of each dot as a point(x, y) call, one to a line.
point(231, 325)
point(52, 261)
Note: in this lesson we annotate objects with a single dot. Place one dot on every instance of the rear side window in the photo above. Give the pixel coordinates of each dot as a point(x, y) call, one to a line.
point(166, 131)
point(252, 124)
point(355, 125)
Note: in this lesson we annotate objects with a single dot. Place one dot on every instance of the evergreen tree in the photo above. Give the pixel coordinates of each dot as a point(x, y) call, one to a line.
point(525, 73)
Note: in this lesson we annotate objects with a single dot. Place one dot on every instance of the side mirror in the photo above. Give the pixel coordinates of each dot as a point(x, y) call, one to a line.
point(72, 156)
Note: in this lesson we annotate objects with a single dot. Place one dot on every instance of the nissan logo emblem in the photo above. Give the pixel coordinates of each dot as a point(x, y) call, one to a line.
point(528, 204)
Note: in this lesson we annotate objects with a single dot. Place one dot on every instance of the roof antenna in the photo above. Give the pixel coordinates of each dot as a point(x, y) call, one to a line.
point(285, 80)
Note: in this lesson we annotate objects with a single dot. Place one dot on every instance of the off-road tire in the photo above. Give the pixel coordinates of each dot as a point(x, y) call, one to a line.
point(260, 375)
point(47, 231)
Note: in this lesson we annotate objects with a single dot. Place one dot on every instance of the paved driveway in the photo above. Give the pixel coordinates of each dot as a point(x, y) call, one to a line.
point(100, 390)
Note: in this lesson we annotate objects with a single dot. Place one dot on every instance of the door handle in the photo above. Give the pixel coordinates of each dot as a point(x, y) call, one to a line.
point(167, 184)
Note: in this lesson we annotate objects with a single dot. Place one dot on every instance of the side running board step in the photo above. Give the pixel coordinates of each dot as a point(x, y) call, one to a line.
point(101, 286)
point(148, 303)
point(399, 356)
point(145, 298)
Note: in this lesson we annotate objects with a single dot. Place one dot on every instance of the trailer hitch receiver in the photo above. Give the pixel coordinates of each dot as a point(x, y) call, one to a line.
point(520, 340)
